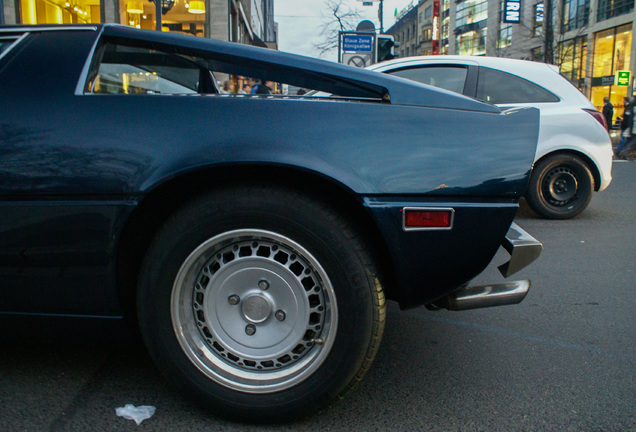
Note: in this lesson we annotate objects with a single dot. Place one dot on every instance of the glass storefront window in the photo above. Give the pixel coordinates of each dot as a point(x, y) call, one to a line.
point(612, 49)
point(471, 11)
point(470, 23)
point(603, 53)
point(472, 43)
point(60, 11)
point(572, 58)
point(622, 48)
point(616, 95)
point(185, 16)
point(566, 57)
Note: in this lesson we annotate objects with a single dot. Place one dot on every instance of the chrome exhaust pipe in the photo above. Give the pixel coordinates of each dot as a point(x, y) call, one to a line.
point(481, 296)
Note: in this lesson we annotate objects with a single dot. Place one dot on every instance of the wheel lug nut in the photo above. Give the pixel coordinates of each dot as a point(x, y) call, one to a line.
point(264, 285)
point(280, 315)
point(250, 329)
point(233, 299)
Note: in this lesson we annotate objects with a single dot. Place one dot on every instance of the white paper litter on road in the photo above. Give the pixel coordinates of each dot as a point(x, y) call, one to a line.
point(138, 414)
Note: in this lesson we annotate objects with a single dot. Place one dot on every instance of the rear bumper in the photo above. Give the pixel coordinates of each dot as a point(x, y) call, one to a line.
point(523, 250)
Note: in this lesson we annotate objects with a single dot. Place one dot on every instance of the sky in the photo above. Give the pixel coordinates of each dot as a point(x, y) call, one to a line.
point(301, 21)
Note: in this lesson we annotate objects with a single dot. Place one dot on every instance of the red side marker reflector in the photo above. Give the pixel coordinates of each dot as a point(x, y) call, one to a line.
point(428, 218)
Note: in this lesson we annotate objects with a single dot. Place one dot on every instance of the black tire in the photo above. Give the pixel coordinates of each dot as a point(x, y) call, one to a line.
point(560, 187)
point(261, 303)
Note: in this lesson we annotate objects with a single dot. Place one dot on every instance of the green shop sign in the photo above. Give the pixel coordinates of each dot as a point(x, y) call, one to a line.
point(622, 78)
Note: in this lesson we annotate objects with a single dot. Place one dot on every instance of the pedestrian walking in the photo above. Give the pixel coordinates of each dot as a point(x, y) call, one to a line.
point(608, 111)
point(626, 125)
point(627, 148)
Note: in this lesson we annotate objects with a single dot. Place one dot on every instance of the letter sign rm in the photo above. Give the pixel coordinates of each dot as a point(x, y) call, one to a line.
point(512, 11)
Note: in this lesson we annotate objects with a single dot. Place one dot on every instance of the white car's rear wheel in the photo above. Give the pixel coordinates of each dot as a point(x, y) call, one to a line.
point(561, 187)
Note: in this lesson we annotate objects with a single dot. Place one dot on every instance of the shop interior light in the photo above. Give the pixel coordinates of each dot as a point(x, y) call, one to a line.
point(135, 7)
point(196, 7)
point(78, 10)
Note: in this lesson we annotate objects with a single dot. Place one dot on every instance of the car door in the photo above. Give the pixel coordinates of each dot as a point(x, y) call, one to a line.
point(52, 245)
point(69, 164)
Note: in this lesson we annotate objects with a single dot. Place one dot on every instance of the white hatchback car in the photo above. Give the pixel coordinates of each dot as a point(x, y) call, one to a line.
point(574, 152)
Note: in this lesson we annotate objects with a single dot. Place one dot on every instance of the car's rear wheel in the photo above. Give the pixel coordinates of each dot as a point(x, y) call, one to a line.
point(560, 187)
point(261, 303)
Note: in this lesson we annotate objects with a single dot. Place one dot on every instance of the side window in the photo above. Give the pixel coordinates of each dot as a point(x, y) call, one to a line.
point(498, 87)
point(128, 66)
point(447, 77)
point(137, 70)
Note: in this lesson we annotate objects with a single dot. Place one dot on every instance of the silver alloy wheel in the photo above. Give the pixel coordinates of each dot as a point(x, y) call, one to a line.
point(254, 311)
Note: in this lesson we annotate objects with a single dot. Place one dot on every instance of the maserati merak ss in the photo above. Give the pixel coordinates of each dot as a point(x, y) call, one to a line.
point(252, 239)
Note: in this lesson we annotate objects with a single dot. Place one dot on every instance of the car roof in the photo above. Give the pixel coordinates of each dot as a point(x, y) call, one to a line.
point(543, 74)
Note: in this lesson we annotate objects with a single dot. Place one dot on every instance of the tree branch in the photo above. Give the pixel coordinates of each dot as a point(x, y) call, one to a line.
point(339, 18)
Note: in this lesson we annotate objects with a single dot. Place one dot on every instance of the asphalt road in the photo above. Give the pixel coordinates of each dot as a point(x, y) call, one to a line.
point(563, 360)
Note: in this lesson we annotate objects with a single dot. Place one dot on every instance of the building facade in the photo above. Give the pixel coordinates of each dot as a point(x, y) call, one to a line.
point(405, 32)
point(244, 21)
point(428, 28)
point(590, 40)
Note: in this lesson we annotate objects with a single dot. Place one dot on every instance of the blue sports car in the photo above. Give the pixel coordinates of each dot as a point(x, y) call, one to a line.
point(252, 239)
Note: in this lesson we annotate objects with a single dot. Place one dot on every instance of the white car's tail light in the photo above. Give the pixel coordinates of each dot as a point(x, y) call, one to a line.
point(598, 116)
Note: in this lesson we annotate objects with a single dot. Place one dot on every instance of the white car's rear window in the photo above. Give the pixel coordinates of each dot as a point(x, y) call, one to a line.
point(497, 87)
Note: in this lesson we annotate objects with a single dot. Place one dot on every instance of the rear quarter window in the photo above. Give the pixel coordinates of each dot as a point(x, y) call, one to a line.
point(497, 87)
point(139, 70)
point(129, 66)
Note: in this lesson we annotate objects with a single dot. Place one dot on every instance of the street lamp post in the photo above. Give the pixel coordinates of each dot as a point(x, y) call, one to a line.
point(380, 11)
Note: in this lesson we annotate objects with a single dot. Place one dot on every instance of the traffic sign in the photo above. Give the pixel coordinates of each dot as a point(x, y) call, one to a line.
point(357, 43)
point(356, 59)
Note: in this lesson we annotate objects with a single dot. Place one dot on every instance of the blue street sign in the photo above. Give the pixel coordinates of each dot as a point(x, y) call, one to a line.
point(357, 43)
